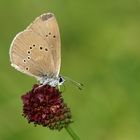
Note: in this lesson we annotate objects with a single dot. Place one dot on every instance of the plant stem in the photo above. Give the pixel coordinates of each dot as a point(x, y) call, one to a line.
point(69, 129)
point(72, 133)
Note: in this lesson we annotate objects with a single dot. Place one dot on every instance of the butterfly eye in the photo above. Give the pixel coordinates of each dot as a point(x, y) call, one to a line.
point(27, 68)
point(46, 35)
point(61, 80)
point(54, 36)
point(30, 47)
point(49, 33)
point(33, 45)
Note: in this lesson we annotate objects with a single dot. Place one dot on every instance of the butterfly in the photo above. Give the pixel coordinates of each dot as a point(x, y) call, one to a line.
point(36, 51)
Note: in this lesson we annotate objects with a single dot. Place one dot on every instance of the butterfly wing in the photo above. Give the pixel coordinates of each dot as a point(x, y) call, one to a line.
point(46, 26)
point(31, 54)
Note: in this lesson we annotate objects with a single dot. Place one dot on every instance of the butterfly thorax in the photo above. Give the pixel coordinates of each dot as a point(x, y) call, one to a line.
point(51, 80)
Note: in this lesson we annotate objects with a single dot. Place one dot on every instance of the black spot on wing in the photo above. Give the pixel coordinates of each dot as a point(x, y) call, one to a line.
point(29, 52)
point(46, 49)
point(28, 57)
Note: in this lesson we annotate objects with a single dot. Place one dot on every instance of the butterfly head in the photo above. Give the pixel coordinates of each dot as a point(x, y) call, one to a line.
point(61, 80)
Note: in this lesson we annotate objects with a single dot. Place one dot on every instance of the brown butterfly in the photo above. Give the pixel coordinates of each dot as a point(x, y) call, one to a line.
point(36, 51)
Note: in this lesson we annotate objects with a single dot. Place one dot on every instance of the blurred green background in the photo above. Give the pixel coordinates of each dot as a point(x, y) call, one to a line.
point(100, 48)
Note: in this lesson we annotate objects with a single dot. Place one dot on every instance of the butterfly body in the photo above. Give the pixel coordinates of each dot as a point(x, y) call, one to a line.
point(36, 51)
point(53, 81)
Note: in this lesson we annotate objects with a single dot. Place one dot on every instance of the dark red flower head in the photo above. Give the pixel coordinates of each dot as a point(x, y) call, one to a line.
point(44, 105)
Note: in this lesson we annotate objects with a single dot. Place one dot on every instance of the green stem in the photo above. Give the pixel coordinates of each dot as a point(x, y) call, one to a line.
point(69, 129)
point(72, 133)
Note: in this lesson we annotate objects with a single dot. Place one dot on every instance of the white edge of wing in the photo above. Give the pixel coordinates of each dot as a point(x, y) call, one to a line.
point(14, 65)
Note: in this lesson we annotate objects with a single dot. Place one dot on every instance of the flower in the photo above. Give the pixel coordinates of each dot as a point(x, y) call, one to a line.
point(44, 105)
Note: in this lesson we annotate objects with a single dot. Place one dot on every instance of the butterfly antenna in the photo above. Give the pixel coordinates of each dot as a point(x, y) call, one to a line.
point(79, 85)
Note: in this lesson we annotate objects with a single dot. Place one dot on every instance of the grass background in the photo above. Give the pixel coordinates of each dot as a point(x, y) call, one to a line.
point(100, 48)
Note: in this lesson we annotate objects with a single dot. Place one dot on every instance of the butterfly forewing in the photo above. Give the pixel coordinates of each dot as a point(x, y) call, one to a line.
point(30, 54)
point(46, 26)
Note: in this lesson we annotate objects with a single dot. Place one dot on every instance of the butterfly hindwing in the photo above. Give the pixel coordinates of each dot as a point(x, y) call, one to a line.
point(31, 54)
